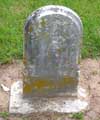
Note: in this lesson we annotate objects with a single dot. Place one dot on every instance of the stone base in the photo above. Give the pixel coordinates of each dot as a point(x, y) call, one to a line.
point(21, 105)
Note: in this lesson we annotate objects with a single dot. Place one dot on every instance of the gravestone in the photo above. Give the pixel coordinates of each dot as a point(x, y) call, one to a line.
point(52, 50)
point(53, 36)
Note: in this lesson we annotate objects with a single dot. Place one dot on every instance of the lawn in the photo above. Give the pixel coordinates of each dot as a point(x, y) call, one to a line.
point(13, 14)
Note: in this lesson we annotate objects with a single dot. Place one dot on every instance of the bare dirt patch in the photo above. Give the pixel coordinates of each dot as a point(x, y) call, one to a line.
point(90, 79)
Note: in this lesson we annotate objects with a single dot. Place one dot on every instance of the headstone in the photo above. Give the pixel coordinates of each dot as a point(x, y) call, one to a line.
point(53, 36)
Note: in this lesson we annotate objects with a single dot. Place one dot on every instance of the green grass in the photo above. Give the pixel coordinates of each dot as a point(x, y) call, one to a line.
point(4, 114)
point(13, 14)
point(78, 116)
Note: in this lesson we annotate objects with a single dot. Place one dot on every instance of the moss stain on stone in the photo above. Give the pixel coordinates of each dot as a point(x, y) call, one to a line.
point(27, 88)
point(40, 84)
point(43, 22)
point(44, 84)
point(24, 59)
point(67, 81)
point(30, 28)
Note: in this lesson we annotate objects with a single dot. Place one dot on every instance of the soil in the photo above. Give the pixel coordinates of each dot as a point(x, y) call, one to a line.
point(90, 80)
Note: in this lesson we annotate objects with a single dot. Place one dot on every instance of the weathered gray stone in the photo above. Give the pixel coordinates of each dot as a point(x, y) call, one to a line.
point(51, 56)
point(52, 49)
point(18, 104)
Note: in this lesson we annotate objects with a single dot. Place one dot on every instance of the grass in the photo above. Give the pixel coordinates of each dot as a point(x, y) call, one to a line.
point(4, 114)
point(78, 116)
point(13, 14)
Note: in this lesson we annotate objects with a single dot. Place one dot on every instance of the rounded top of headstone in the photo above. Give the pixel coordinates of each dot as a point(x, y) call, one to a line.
point(52, 42)
point(56, 10)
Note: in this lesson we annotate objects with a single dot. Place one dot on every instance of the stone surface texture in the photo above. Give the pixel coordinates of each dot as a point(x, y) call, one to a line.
point(21, 105)
point(51, 56)
point(52, 51)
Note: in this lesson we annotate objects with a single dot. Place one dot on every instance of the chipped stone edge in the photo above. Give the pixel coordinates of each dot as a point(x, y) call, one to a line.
point(18, 105)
